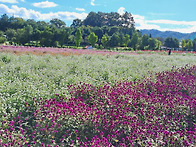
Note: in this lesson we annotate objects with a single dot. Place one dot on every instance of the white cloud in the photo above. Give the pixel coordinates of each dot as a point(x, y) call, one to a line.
point(162, 21)
point(180, 26)
point(92, 2)
point(141, 23)
point(9, 1)
point(80, 9)
point(32, 14)
point(45, 4)
point(121, 10)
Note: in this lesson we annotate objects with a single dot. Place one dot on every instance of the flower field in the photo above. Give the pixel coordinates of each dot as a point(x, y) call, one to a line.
point(95, 100)
point(161, 112)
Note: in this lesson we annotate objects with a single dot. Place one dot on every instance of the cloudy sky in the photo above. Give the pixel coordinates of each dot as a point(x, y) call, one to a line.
point(173, 15)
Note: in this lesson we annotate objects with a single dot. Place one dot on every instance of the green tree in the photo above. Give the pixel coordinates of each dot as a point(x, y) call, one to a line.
point(152, 43)
point(114, 40)
point(46, 37)
point(2, 37)
point(183, 43)
point(76, 23)
point(36, 36)
point(4, 22)
point(78, 37)
point(58, 23)
point(121, 39)
point(158, 44)
point(28, 32)
point(20, 39)
point(144, 41)
point(24, 35)
point(113, 30)
point(17, 23)
point(92, 38)
point(189, 45)
point(93, 19)
point(127, 40)
point(99, 32)
point(64, 36)
point(171, 42)
point(194, 44)
point(104, 40)
point(134, 40)
point(11, 35)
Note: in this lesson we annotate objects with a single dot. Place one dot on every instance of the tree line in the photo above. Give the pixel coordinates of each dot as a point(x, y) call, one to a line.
point(101, 30)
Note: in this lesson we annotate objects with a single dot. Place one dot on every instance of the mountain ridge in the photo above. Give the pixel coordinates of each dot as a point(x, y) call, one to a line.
point(164, 34)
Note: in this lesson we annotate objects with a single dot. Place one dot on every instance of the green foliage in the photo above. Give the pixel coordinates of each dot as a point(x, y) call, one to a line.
point(78, 37)
point(76, 23)
point(92, 38)
point(2, 40)
point(183, 43)
point(114, 40)
point(126, 40)
point(134, 40)
point(152, 43)
point(158, 44)
point(144, 41)
point(101, 19)
point(171, 42)
point(57, 22)
point(104, 40)
point(189, 44)
point(194, 44)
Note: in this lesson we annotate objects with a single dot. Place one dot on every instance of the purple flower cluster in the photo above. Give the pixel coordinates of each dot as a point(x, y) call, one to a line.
point(159, 111)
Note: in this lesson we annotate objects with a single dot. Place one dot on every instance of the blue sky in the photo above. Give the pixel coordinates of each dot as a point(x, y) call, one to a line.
point(164, 15)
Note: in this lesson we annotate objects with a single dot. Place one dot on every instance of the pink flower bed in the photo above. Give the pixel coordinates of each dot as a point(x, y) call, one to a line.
point(69, 51)
point(53, 51)
point(159, 112)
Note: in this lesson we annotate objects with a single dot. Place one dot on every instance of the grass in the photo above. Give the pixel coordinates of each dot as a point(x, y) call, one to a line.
point(26, 76)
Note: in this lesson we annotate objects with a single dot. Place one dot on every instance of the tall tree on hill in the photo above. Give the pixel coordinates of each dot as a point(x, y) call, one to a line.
point(4, 22)
point(101, 19)
point(76, 23)
point(58, 23)
point(78, 37)
point(93, 20)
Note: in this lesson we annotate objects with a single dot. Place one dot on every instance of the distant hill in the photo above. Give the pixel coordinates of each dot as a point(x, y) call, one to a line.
point(165, 34)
